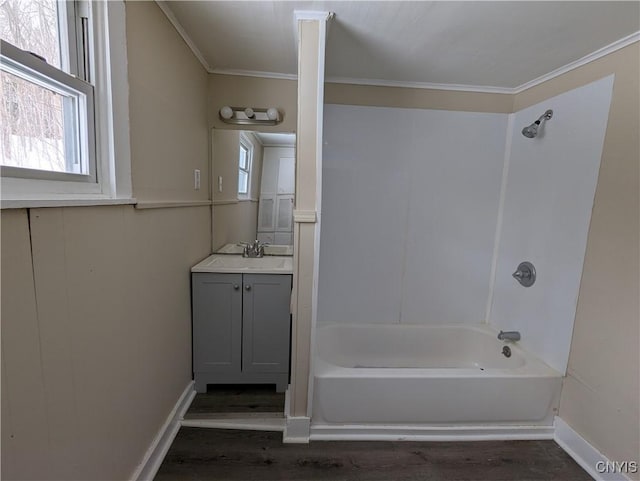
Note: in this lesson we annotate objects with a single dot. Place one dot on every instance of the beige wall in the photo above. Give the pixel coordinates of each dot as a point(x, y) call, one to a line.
point(96, 330)
point(233, 223)
point(600, 396)
point(168, 88)
point(412, 98)
point(238, 91)
point(96, 335)
point(233, 220)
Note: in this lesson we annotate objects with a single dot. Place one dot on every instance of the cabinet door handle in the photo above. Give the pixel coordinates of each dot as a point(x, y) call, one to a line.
point(247, 287)
point(236, 287)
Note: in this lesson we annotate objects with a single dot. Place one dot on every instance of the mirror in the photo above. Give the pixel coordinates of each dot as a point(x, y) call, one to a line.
point(253, 183)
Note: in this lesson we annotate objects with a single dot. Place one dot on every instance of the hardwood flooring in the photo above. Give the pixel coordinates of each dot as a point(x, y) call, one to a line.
point(216, 454)
point(226, 400)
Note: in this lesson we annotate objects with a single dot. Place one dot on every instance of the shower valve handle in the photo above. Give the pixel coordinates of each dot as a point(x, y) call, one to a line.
point(525, 274)
point(521, 274)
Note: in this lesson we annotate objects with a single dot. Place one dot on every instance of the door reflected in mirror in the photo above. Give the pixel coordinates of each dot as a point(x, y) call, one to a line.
point(253, 181)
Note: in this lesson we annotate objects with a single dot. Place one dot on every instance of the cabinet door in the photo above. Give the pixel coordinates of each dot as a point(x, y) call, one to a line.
point(267, 213)
point(266, 325)
point(217, 322)
point(284, 213)
point(287, 175)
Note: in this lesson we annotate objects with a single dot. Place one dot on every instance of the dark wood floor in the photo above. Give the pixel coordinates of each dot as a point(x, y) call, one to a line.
point(249, 401)
point(215, 454)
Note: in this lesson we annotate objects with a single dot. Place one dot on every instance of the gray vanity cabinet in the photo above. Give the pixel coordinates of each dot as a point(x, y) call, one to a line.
point(265, 321)
point(217, 323)
point(241, 329)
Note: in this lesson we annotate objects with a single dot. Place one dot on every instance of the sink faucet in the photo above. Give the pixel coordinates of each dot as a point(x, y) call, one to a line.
point(509, 336)
point(253, 249)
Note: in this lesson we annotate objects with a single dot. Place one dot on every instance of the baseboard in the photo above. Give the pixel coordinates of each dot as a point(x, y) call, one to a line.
point(583, 453)
point(296, 430)
point(248, 424)
point(428, 433)
point(162, 442)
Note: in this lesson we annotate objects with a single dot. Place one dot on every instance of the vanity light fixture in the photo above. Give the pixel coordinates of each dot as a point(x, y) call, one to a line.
point(250, 116)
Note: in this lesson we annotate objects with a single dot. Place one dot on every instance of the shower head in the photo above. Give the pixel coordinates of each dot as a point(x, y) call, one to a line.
point(531, 131)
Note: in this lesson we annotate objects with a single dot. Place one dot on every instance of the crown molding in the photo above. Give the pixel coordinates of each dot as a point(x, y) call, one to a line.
point(602, 52)
point(183, 33)
point(420, 85)
point(254, 73)
point(326, 16)
point(613, 47)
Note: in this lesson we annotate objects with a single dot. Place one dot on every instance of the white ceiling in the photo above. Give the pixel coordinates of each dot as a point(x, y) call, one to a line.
point(276, 139)
point(482, 43)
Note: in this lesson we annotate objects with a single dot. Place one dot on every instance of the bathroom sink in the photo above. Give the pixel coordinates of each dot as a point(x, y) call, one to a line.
point(230, 249)
point(262, 265)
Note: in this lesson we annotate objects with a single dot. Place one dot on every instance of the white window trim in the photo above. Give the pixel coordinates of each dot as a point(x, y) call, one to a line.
point(247, 142)
point(25, 66)
point(113, 153)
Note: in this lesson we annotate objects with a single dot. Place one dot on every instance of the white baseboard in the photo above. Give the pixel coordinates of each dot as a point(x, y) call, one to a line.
point(428, 433)
point(162, 442)
point(249, 424)
point(296, 430)
point(584, 453)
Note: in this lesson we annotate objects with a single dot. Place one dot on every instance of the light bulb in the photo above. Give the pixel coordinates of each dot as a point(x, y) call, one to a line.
point(249, 112)
point(226, 112)
point(273, 114)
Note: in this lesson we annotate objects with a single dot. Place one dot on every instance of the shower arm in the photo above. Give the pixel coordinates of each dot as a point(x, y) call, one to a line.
point(546, 116)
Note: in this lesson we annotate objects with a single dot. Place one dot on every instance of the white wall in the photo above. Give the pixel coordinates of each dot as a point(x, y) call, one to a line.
point(547, 210)
point(410, 201)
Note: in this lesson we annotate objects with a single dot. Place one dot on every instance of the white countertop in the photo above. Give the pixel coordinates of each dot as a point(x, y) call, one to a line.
point(269, 250)
point(225, 263)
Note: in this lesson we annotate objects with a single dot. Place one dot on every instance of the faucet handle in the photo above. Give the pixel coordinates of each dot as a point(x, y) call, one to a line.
point(525, 274)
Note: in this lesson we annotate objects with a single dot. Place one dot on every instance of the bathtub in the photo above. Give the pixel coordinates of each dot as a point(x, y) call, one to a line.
point(420, 376)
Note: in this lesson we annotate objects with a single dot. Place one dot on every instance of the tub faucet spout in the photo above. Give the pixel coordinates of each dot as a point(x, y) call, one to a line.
point(509, 336)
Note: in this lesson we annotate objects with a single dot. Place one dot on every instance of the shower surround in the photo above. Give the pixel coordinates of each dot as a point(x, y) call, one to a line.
point(425, 216)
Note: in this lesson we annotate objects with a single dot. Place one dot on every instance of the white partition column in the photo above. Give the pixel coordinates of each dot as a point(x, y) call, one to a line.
point(311, 48)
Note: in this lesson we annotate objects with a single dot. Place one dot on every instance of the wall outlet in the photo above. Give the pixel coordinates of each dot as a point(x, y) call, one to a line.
point(219, 183)
point(196, 179)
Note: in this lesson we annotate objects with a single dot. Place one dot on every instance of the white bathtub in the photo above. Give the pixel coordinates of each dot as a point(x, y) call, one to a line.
point(442, 376)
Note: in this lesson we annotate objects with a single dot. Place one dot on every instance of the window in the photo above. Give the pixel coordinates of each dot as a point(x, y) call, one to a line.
point(244, 166)
point(62, 104)
point(47, 106)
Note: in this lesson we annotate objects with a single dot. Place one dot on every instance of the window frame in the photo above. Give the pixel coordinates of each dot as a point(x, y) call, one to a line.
point(245, 142)
point(110, 109)
point(26, 66)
